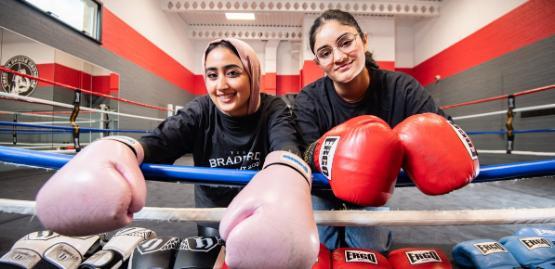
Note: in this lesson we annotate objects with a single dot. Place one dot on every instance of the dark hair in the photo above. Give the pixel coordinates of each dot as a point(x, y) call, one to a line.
point(224, 44)
point(344, 18)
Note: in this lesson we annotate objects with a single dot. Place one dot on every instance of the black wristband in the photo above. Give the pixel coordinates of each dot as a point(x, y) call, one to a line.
point(294, 168)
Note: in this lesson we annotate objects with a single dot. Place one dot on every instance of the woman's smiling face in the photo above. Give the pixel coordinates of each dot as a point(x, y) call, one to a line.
point(339, 51)
point(227, 82)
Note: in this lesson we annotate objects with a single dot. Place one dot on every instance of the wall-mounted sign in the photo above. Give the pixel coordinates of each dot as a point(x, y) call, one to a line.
point(17, 84)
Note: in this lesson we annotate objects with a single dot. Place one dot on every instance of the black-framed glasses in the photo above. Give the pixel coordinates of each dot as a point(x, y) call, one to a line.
point(346, 44)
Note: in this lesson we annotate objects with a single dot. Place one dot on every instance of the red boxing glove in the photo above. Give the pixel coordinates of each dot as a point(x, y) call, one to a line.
point(361, 157)
point(439, 156)
point(354, 258)
point(424, 258)
point(324, 259)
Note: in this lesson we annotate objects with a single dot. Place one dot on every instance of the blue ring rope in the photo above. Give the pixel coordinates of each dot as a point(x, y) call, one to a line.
point(70, 129)
point(223, 176)
point(86, 129)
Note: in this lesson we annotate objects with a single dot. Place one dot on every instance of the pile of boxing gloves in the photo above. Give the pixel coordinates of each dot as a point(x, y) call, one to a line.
point(528, 248)
point(135, 247)
point(131, 247)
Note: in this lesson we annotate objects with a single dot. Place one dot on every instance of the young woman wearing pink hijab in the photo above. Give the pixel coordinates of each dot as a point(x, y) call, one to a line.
point(267, 224)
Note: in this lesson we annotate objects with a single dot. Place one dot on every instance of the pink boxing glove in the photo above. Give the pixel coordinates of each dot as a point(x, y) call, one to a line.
point(270, 223)
point(96, 191)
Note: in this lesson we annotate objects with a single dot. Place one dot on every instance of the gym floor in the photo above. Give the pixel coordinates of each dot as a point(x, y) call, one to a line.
point(524, 193)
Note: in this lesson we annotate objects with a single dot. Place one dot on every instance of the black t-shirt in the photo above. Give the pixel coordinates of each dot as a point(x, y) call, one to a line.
point(391, 96)
point(218, 140)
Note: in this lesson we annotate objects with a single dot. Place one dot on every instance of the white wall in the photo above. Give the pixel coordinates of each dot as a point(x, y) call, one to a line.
point(404, 43)
point(458, 19)
point(288, 55)
point(408, 42)
point(381, 36)
point(164, 29)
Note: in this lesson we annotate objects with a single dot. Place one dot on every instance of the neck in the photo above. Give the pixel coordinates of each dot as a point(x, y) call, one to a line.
point(354, 90)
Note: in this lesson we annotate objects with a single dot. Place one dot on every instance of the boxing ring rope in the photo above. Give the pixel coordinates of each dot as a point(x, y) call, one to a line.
point(509, 132)
point(69, 129)
point(28, 99)
point(516, 152)
point(171, 173)
point(29, 114)
point(501, 112)
point(223, 176)
point(341, 217)
point(7, 70)
point(500, 97)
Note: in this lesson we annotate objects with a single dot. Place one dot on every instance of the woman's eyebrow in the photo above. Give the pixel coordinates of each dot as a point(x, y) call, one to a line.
point(225, 67)
point(341, 36)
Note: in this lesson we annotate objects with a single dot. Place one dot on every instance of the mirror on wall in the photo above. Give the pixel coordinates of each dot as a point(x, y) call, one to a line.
point(42, 114)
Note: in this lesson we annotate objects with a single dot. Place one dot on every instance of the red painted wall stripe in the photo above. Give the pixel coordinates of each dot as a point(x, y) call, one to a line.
point(288, 84)
point(119, 38)
point(525, 25)
point(268, 83)
point(387, 65)
point(76, 78)
point(199, 86)
point(310, 72)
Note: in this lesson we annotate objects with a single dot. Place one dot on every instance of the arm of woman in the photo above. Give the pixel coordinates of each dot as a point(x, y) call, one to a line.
point(419, 99)
point(173, 137)
point(282, 132)
point(306, 119)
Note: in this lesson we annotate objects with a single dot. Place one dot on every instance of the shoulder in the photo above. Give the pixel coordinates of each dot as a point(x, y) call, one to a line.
point(312, 92)
point(315, 87)
point(196, 108)
point(399, 79)
point(198, 104)
point(271, 104)
point(393, 75)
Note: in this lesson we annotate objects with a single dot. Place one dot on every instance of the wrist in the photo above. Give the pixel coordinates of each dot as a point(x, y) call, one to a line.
point(131, 143)
point(290, 160)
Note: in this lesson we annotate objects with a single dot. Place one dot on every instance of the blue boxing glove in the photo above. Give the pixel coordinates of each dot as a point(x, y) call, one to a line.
point(541, 231)
point(532, 252)
point(483, 254)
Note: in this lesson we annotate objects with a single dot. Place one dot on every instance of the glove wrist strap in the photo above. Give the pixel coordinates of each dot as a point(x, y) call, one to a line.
point(309, 155)
point(130, 142)
point(290, 160)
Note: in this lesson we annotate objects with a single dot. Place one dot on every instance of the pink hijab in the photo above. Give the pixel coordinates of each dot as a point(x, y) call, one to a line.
point(251, 64)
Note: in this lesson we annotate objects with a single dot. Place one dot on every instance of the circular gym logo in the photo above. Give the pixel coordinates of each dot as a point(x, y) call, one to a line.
point(19, 85)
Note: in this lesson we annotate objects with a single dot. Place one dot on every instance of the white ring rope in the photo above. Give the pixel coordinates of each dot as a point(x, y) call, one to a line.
point(61, 151)
point(53, 103)
point(30, 114)
point(342, 217)
point(38, 145)
point(55, 122)
point(516, 152)
point(499, 112)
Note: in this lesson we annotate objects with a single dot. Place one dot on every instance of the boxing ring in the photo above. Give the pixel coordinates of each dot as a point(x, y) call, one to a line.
point(31, 156)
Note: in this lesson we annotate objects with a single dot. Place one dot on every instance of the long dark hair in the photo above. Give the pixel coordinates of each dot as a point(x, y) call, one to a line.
point(344, 18)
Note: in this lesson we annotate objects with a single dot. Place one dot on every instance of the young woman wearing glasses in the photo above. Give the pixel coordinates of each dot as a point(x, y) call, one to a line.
point(353, 86)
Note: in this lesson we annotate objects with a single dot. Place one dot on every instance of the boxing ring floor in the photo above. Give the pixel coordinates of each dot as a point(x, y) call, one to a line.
point(538, 192)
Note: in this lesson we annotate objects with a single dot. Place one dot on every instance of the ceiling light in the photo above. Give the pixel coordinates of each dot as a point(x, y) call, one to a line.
point(240, 16)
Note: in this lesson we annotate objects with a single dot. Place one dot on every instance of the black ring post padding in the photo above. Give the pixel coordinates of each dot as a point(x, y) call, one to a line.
point(74, 113)
point(14, 130)
point(510, 135)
